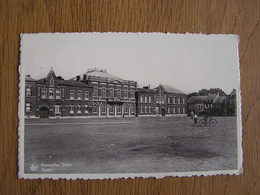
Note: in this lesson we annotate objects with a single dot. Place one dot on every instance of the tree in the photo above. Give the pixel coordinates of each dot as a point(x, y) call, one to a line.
point(192, 94)
point(203, 92)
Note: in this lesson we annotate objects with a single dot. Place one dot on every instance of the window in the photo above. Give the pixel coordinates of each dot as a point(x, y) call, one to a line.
point(132, 94)
point(150, 99)
point(118, 109)
point(111, 93)
point(150, 110)
point(103, 108)
point(169, 100)
point(156, 98)
point(28, 107)
point(44, 93)
point(95, 92)
point(141, 99)
point(145, 109)
point(125, 94)
point(71, 108)
point(51, 93)
point(174, 110)
point(86, 95)
point(183, 110)
point(183, 100)
point(174, 100)
point(103, 92)
point(119, 93)
point(111, 109)
point(57, 109)
point(141, 109)
point(145, 99)
point(126, 109)
point(51, 81)
point(58, 94)
point(132, 109)
point(72, 94)
point(79, 108)
point(179, 100)
point(169, 110)
point(94, 108)
point(79, 95)
point(28, 91)
point(179, 110)
point(86, 108)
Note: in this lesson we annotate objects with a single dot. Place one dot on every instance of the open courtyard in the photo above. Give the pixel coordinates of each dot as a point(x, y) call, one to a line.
point(129, 145)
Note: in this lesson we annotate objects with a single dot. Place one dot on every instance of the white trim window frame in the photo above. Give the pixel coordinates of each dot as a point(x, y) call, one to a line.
point(72, 94)
point(58, 94)
point(27, 107)
point(57, 109)
point(71, 108)
point(51, 93)
point(79, 94)
point(44, 93)
point(86, 95)
point(28, 91)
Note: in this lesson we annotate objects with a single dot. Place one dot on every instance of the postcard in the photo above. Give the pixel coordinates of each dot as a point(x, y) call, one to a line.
point(120, 105)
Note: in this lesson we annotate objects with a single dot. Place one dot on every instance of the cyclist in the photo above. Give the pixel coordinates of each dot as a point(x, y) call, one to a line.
point(206, 116)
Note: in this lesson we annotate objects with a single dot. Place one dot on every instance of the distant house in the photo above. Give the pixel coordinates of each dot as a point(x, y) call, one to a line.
point(213, 104)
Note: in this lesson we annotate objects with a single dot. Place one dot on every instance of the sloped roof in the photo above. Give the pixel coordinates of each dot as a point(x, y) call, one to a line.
point(72, 83)
point(169, 89)
point(233, 92)
point(196, 99)
point(220, 100)
point(29, 78)
point(210, 97)
point(102, 74)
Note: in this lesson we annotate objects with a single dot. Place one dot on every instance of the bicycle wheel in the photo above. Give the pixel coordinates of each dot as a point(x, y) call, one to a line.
point(202, 122)
point(213, 122)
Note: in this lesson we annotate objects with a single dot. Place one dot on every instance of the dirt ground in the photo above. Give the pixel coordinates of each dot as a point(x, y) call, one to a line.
point(129, 145)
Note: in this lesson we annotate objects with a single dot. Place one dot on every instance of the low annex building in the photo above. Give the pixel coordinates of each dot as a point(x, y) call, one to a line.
point(97, 93)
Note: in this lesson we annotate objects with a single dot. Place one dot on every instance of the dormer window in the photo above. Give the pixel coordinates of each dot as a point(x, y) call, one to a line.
point(51, 81)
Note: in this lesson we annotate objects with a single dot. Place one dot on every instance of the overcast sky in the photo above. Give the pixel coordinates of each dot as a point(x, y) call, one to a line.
point(187, 62)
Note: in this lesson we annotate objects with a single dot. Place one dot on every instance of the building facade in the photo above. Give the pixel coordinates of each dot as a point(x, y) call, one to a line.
point(97, 93)
point(163, 100)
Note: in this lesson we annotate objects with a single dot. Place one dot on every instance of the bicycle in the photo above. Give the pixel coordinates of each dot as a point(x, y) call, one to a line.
point(209, 121)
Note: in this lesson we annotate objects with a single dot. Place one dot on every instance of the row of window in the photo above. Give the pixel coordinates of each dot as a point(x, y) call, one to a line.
point(145, 99)
point(111, 93)
point(173, 100)
point(148, 109)
point(79, 95)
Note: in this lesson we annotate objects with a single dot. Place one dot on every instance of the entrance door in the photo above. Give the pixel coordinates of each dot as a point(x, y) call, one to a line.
point(44, 112)
point(163, 112)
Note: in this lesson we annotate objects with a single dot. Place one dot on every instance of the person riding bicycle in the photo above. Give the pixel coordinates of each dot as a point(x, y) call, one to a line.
point(206, 116)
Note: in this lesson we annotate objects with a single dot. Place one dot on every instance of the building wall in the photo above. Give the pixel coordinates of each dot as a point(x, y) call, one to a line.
point(97, 97)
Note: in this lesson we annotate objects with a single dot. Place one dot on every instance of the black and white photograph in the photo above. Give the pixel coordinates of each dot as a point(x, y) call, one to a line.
point(120, 105)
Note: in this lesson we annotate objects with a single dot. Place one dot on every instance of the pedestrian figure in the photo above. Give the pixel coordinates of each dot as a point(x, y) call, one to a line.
point(191, 115)
point(195, 118)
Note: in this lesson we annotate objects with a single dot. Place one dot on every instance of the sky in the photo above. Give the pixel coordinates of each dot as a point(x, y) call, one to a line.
point(188, 62)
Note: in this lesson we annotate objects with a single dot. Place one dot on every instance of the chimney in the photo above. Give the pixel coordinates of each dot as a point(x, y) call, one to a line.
point(84, 77)
point(78, 78)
